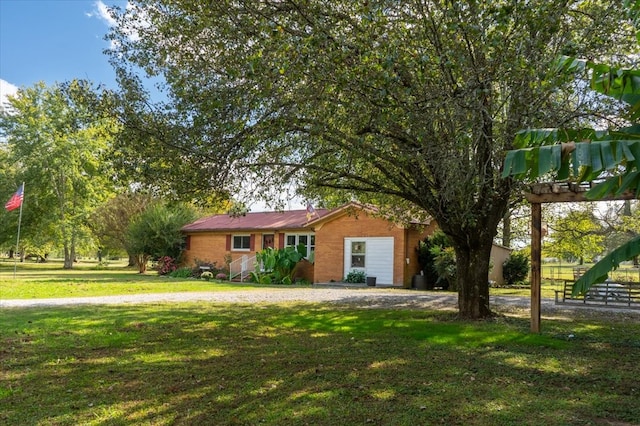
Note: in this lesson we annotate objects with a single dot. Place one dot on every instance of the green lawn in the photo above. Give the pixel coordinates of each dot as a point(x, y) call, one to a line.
point(298, 364)
point(204, 364)
point(49, 280)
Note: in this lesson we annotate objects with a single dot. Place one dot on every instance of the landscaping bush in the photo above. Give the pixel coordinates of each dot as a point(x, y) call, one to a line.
point(355, 277)
point(516, 268)
point(278, 265)
point(427, 256)
point(197, 269)
point(166, 265)
point(181, 273)
point(445, 266)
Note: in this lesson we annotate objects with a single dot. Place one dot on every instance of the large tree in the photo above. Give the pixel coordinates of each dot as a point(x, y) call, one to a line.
point(409, 104)
point(58, 147)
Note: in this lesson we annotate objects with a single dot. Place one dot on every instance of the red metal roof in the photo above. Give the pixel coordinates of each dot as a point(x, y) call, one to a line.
point(292, 219)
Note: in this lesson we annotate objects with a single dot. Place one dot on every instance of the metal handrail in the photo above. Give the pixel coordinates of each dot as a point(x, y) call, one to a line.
point(242, 267)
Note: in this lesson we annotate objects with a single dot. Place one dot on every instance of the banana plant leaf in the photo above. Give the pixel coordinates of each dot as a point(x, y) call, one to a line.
point(600, 271)
point(611, 157)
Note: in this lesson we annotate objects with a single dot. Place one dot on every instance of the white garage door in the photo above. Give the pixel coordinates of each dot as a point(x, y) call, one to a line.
point(372, 255)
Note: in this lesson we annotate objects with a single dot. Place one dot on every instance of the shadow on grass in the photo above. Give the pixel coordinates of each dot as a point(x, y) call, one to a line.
point(307, 364)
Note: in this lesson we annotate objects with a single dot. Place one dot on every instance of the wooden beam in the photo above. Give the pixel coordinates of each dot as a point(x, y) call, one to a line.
point(536, 261)
point(567, 192)
point(572, 197)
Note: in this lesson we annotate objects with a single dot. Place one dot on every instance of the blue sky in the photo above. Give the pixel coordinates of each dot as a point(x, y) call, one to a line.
point(56, 41)
point(53, 41)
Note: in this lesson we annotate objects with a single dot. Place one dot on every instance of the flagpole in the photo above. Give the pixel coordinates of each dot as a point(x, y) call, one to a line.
point(15, 259)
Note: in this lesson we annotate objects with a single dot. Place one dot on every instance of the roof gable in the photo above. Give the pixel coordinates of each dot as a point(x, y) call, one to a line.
point(353, 208)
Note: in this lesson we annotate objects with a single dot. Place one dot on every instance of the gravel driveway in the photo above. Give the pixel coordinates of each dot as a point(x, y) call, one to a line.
point(360, 297)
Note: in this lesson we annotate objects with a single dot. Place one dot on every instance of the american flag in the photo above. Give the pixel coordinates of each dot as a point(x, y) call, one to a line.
point(16, 199)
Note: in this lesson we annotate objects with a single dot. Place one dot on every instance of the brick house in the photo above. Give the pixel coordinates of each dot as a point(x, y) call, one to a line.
point(351, 237)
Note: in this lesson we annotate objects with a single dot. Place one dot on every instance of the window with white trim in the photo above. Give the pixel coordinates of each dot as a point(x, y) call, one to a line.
point(358, 254)
point(241, 242)
point(309, 241)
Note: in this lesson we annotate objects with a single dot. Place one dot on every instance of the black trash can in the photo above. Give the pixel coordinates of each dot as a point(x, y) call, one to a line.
point(420, 282)
point(371, 281)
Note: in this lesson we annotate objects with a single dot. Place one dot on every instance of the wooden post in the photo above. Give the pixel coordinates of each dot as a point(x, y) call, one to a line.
point(536, 259)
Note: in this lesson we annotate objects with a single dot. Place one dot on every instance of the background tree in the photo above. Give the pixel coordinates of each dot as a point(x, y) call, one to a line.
point(576, 236)
point(156, 232)
point(111, 220)
point(9, 184)
point(58, 145)
point(407, 104)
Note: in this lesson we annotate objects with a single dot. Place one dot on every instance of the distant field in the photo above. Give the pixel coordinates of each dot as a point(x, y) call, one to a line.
point(560, 271)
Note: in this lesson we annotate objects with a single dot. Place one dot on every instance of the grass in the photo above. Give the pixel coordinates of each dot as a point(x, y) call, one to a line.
point(49, 280)
point(299, 364)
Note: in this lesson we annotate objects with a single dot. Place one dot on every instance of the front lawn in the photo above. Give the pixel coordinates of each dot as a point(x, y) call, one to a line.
point(49, 280)
point(299, 364)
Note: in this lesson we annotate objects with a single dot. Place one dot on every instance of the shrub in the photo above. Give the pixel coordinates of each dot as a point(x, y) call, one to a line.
point(427, 252)
point(445, 265)
point(166, 265)
point(221, 276)
point(516, 268)
point(355, 277)
point(278, 265)
point(206, 275)
point(197, 271)
point(181, 273)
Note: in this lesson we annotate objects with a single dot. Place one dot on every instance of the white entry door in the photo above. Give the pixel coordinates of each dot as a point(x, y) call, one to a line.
point(373, 255)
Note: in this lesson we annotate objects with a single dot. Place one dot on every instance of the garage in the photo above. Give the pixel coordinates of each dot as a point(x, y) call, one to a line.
point(373, 255)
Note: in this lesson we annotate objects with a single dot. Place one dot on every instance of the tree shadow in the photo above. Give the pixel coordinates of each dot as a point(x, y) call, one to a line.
point(306, 364)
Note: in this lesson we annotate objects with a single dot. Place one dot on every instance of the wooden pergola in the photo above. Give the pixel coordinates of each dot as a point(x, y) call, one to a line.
point(554, 192)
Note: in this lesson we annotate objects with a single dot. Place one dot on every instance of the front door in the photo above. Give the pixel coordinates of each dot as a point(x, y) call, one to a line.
point(267, 241)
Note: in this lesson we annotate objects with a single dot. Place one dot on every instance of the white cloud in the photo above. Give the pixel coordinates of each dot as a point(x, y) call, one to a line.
point(6, 89)
point(102, 13)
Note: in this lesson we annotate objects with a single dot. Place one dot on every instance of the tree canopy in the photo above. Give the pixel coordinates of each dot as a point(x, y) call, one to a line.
point(576, 236)
point(410, 105)
point(57, 146)
point(156, 232)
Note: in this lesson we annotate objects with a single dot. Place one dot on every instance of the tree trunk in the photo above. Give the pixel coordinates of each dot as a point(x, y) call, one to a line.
point(506, 229)
point(141, 261)
point(132, 260)
point(473, 280)
point(68, 257)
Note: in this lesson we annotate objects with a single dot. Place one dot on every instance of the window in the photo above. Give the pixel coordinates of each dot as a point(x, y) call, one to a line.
point(241, 242)
point(358, 250)
point(309, 241)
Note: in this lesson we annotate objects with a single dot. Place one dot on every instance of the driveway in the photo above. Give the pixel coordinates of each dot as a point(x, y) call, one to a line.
point(360, 297)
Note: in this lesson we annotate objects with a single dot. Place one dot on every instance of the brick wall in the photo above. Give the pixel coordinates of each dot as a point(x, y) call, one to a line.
point(212, 247)
point(329, 257)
